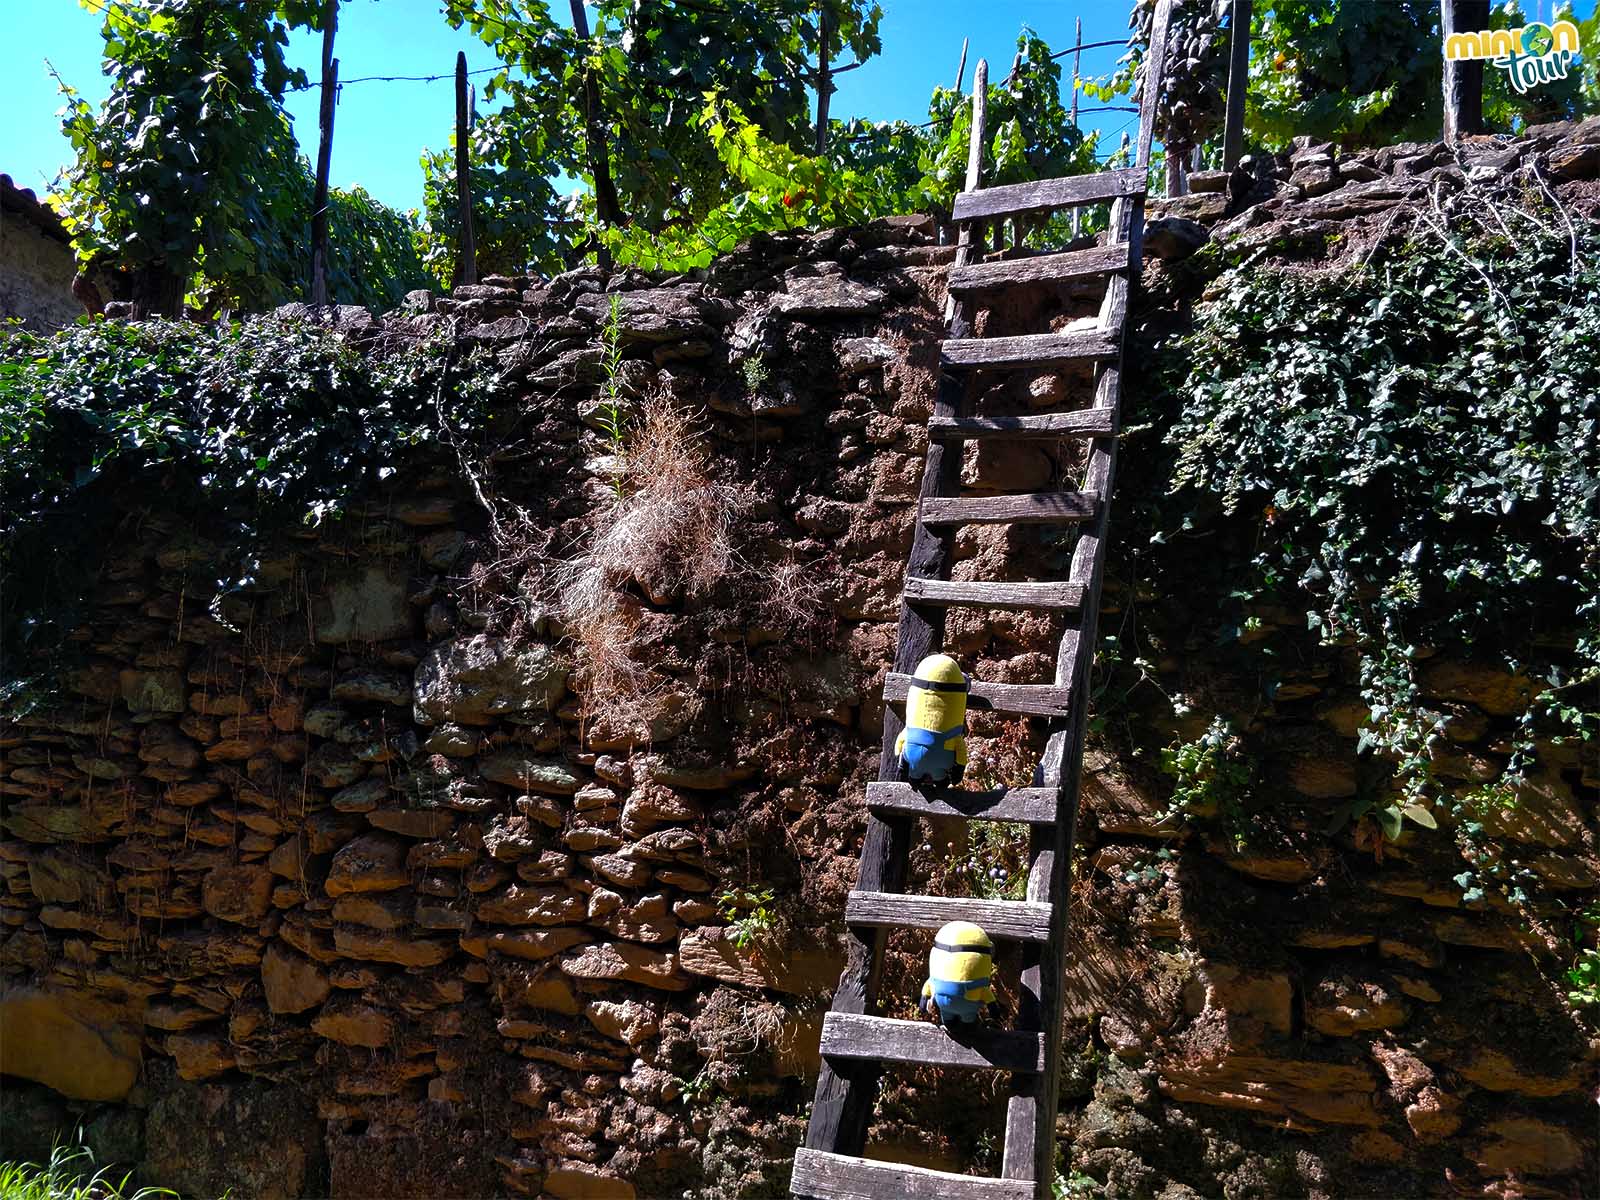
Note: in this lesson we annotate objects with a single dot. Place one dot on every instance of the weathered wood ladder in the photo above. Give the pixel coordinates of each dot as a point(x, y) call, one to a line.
point(855, 1044)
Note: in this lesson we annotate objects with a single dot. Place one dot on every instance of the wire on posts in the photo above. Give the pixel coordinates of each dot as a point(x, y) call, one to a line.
point(394, 79)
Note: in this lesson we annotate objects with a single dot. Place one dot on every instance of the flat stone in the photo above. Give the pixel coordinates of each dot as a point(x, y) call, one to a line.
point(1433, 1115)
point(710, 777)
point(292, 983)
point(530, 774)
point(1331, 1093)
point(153, 691)
point(406, 950)
point(828, 296)
point(423, 510)
point(857, 355)
point(374, 687)
point(800, 971)
point(241, 894)
point(368, 605)
point(528, 944)
point(652, 315)
point(1544, 812)
point(472, 681)
point(201, 1055)
point(1315, 178)
point(619, 869)
point(363, 796)
point(1497, 1072)
point(1174, 238)
point(352, 1023)
point(423, 824)
point(627, 1021)
point(441, 550)
point(1264, 996)
point(1342, 1006)
point(66, 876)
point(83, 1047)
point(1499, 693)
point(576, 1180)
point(387, 911)
point(628, 963)
point(519, 905)
point(373, 862)
point(1528, 1145)
point(1580, 161)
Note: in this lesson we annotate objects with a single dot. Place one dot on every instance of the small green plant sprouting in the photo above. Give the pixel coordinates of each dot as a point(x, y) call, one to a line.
point(1211, 775)
point(1148, 872)
point(996, 865)
point(697, 1086)
point(749, 913)
point(756, 374)
point(70, 1175)
point(611, 418)
point(1583, 976)
point(1076, 1186)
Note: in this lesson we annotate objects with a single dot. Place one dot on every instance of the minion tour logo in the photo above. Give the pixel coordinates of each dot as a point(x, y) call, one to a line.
point(1531, 55)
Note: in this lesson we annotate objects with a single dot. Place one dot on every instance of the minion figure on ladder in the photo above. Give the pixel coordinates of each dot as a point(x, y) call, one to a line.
point(959, 969)
point(933, 745)
point(933, 748)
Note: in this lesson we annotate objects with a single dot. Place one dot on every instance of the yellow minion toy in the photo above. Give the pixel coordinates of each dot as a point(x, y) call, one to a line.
point(933, 745)
point(959, 967)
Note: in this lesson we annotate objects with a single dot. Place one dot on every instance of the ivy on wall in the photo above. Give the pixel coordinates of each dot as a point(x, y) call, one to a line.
point(254, 427)
point(1413, 445)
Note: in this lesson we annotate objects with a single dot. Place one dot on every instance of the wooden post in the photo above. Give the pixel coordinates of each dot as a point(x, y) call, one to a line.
point(606, 203)
point(467, 258)
point(824, 75)
point(1077, 63)
point(1238, 83)
point(1463, 80)
point(319, 197)
point(961, 67)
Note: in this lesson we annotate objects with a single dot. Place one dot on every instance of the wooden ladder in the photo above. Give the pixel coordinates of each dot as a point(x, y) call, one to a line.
point(855, 1043)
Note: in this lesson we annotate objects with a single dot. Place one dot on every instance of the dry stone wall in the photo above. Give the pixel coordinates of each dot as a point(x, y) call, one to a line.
point(337, 886)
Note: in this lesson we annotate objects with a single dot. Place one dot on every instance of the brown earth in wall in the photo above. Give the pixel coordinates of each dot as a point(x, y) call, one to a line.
point(344, 879)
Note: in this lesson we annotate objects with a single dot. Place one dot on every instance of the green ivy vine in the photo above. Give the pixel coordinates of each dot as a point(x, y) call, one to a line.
point(1414, 442)
point(252, 427)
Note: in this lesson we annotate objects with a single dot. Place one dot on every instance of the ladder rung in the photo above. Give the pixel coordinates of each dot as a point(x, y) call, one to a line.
point(1030, 349)
point(994, 594)
point(851, 1035)
point(824, 1176)
point(1035, 806)
point(1016, 920)
point(1083, 422)
point(1041, 194)
point(1029, 699)
point(1039, 508)
point(1043, 268)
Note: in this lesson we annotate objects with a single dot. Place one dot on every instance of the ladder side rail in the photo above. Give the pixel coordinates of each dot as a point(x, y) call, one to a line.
point(1031, 1110)
point(846, 1093)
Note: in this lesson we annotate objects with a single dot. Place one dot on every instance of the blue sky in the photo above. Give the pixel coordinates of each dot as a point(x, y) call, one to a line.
point(381, 128)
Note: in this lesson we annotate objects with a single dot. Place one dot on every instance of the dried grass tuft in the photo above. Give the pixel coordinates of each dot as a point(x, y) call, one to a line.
point(667, 533)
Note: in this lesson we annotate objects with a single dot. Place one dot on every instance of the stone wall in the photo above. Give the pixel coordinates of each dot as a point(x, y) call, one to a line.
point(336, 885)
point(36, 262)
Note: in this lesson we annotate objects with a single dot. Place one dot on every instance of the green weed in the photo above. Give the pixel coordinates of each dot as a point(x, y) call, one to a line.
point(70, 1175)
point(749, 913)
